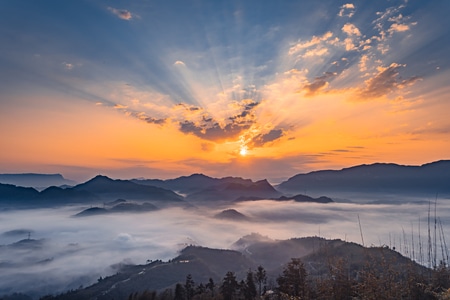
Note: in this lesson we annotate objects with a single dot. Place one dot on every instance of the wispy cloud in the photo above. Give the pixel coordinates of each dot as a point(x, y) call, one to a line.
point(318, 84)
point(121, 13)
point(387, 80)
point(315, 40)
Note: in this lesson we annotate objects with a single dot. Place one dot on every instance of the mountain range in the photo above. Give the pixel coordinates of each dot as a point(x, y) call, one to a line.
point(37, 181)
point(432, 178)
point(199, 189)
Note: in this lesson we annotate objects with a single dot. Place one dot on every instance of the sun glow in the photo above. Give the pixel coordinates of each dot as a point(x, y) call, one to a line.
point(243, 151)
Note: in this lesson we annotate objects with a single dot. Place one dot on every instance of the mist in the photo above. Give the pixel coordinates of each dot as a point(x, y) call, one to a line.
point(66, 252)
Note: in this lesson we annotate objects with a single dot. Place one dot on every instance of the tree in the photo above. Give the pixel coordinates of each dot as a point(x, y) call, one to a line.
point(200, 289)
point(261, 278)
point(179, 292)
point(189, 287)
point(210, 286)
point(229, 286)
point(293, 281)
point(249, 287)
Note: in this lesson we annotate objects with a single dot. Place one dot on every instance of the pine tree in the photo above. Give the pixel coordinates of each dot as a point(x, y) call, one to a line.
point(179, 292)
point(210, 286)
point(229, 286)
point(261, 278)
point(189, 287)
point(249, 287)
point(293, 281)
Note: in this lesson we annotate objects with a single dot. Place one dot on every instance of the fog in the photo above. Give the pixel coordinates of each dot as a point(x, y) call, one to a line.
point(65, 252)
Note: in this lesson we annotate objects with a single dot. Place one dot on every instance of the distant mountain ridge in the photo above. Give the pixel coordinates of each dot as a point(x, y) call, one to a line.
point(35, 180)
point(199, 187)
point(429, 178)
point(108, 188)
point(99, 188)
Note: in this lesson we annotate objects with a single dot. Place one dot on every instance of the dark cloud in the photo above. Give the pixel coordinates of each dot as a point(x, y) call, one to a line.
point(318, 83)
point(210, 129)
point(386, 81)
point(156, 121)
point(261, 139)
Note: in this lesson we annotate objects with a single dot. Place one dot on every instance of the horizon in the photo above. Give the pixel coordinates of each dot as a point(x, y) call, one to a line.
point(272, 181)
point(267, 91)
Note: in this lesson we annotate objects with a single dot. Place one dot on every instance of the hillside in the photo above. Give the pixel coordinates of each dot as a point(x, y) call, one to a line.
point(318, 255)
point(431, 179)
point(108, 189)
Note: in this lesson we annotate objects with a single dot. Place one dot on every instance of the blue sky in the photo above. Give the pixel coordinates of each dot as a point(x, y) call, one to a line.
point(277, 81)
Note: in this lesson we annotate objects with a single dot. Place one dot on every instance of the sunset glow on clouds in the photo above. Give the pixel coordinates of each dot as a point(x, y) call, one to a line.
point(169, 89)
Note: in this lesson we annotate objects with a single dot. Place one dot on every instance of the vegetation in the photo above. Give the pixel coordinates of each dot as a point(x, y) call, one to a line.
point(375, 281)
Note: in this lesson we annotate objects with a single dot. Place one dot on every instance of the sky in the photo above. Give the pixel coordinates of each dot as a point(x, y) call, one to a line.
point(258, 89)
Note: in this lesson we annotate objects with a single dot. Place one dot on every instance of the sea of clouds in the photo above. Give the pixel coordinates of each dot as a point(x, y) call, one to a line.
point(67, 252)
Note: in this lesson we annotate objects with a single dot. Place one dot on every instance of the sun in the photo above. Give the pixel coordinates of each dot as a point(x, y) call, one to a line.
point(243, 151)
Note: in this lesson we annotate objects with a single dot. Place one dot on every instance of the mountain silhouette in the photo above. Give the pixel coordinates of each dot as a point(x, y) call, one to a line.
point(120, 207)
point(35, 180)
point(231, 214)
point(109, 189)
point(192, 183)
point(429, 178)
point(230, 191)
point(12, 194)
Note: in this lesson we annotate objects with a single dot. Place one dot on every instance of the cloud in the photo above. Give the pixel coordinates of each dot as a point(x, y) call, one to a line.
point(179, 63)
point(398, 28)
point(71, 254)
point(347, 10)
point(151, 120)
point(387, 80)
point(319, 51)
point(212, 129)
point(68, 66)
point(121, 13)
point(318, 84)
point(351, 29)
point(315, 40)
point(262, 139)
point(363, 63)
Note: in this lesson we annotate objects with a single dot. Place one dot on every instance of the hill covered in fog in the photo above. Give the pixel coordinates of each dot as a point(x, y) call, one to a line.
point(321, 259)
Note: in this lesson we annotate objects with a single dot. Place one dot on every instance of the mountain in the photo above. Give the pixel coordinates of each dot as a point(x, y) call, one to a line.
point(319, 256)
point(192, 183)
point(55, 194)
point(107, 189)
point(201, 263)
point(231, 214)
point(38, 181)
point(305, 198)
point(431, 179)
point(296, 198)
point(11, 194)
point(199, 187)
point(121, 207)
point(230, 191)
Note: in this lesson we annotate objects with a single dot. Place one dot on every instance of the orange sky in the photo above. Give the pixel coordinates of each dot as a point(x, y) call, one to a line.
point(350, 93)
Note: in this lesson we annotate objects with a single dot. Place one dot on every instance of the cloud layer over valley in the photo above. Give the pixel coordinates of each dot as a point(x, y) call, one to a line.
point(65, 252)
